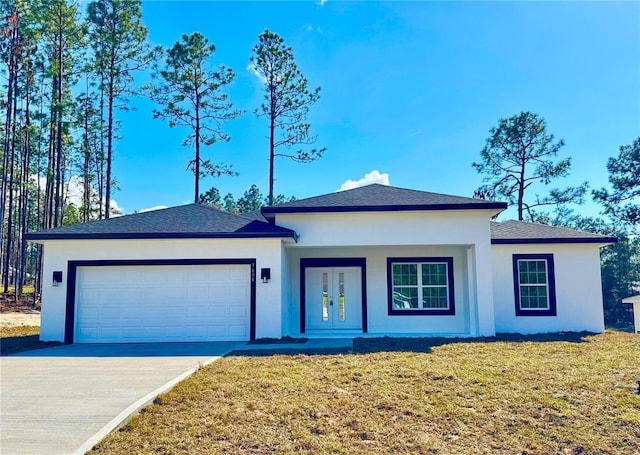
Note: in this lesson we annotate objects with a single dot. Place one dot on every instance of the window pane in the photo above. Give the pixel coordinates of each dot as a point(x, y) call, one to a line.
point(405, 274)
point(341, 296)
point(534, 297)
point(434, 297)
point(325, 297)
point(532, 272)
point(405, 298)
point(434, 274)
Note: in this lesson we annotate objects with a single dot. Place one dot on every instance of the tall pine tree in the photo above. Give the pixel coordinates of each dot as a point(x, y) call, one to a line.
point(191, 94)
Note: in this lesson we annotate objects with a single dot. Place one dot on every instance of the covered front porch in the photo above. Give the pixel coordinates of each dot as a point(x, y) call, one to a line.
point(373, 291)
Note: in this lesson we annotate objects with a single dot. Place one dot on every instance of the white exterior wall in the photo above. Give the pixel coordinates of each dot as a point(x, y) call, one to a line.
point(462, 234)
point(578, 289)
point(267, 253)
point(380, 323)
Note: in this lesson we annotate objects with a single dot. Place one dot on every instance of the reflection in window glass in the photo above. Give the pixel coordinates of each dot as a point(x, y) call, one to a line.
point(420, 285)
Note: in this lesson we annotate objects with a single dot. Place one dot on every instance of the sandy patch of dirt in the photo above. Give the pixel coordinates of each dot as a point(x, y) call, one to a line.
point(13, 319)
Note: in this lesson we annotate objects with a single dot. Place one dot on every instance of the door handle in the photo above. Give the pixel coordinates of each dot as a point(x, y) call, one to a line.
point(331, 302)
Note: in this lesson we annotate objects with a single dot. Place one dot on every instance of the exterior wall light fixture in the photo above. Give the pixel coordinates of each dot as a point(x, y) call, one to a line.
point(265, 275)
point(57, 277)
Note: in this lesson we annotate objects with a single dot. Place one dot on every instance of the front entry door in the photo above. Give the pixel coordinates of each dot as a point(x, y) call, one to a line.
point(333, 297)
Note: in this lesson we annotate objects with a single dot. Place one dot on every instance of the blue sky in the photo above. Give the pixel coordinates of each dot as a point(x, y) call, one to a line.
point(409, 89)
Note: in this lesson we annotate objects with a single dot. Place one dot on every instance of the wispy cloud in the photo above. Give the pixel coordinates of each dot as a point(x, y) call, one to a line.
point(322, 2)
point(311, 28)
point(368, 179)
point(415, 133)
point(253, 70)
point(151, 209)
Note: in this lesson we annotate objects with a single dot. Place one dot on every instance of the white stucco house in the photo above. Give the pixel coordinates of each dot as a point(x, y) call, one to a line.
point(635, 301)
point(371, 261)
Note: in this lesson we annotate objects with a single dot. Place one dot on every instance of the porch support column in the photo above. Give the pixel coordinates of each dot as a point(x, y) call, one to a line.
point(471, 289)
point(484, 288)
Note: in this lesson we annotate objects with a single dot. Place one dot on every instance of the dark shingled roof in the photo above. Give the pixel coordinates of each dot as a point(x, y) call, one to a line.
point(186, 221)
point(381, 198)
point(511, 232)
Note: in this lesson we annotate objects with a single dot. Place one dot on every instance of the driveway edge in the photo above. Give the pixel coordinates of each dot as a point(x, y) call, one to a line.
point(129, 412)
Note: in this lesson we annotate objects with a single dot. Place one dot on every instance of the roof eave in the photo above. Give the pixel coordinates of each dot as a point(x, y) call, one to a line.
point(603, 241)
point(34, 237)
point(386, 208)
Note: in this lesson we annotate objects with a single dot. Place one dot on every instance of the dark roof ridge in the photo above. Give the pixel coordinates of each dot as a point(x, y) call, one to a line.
point(382, 198)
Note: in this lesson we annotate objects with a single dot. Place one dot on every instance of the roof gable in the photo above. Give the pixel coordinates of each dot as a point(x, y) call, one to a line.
point(381, 198)
point(514, 232)
point(186, 221)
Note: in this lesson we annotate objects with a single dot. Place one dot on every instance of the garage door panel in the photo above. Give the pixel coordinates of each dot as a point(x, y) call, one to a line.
point(237, 331)
point(237, 312)
point(198, 294)
point(162, 303)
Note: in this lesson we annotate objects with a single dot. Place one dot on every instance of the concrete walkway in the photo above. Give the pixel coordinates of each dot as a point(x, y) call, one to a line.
point(63, 400)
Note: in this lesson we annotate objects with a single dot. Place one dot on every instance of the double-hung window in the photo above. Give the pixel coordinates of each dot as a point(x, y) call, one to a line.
point(420, 286)
point(534, 285)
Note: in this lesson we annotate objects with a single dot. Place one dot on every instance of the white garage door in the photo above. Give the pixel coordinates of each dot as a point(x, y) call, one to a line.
point(162, 303)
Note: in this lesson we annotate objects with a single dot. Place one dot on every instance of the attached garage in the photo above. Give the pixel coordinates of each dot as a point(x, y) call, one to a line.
point(160, 301)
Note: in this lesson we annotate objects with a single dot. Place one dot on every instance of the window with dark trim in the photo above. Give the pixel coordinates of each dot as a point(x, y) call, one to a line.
point(534, 285)
point(420, 286)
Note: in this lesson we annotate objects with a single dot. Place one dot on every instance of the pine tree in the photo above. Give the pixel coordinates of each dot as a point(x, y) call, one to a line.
point(287, 102)
point(191, 95)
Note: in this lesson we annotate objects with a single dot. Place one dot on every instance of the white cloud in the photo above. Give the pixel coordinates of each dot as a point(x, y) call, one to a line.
point(73, 192)
point(116, 210)
point(253, 70)
point(322, 2)
point(372, 177)
point(150, 209)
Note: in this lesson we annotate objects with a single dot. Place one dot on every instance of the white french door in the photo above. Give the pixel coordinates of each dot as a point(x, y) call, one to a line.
point(333, 297)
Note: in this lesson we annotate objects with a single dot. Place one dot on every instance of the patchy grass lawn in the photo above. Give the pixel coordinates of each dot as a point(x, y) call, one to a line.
point(514, 395)
point(21, 338)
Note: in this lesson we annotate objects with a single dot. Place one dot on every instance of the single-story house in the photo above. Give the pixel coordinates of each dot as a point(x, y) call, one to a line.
point(635, 301)
point(371, 261)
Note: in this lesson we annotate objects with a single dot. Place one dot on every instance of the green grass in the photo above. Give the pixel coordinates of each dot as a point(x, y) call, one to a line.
point(515, 395)
point(26, 289)
point(20, 339)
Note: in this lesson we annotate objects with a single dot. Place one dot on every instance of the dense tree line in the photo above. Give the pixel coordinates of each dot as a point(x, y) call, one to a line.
point(250, 202)
point(67, 74)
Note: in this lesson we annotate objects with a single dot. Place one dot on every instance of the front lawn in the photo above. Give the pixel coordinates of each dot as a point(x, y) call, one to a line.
point(515, 395)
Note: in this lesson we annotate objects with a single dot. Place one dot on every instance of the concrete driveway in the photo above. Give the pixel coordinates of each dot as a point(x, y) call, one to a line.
point(63, 400)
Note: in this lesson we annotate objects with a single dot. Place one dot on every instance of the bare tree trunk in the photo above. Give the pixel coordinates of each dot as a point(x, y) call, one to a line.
point(272, 139)
point(521, 193)
point(107, 203)
point(57, 216)
point(24, 201)
point(86, 183)
point(51, 161)
point(6, 168)
point(10, 191)
point(100, 159)
point(37, 279)
point(197, 131)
